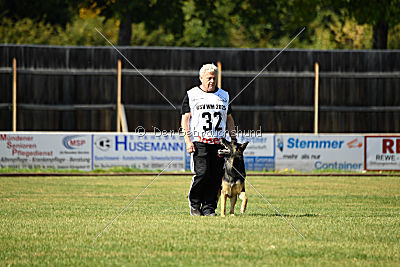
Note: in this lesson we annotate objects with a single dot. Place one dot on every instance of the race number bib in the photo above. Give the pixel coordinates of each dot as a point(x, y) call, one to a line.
point(208, 114)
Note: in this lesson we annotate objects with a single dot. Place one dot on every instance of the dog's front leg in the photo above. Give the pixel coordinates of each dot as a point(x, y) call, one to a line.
point(223, 203)
point(243, 197)
point(233, 203)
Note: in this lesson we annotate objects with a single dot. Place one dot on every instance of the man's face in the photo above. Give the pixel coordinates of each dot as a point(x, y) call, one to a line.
point(208, 81)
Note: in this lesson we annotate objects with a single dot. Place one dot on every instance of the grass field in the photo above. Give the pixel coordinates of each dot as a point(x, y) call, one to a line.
point(54, 221)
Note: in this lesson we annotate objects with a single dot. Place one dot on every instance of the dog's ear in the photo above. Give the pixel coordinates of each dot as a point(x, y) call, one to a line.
point(226, 144)
point(243, 146)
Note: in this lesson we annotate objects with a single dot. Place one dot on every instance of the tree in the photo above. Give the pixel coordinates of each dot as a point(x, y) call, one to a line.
point(381, 14)
point(207, 23)
point(153, 13)
point(265, 23)
point(57, 12)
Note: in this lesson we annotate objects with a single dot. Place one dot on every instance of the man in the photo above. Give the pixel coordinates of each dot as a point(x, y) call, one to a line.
point(206, 116)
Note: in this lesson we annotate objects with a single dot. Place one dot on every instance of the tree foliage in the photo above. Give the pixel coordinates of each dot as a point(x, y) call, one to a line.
point(330, 24)
point(57, 12)
point(382, 15)
point(272, 20)
point(153, 14)
point(80, 31)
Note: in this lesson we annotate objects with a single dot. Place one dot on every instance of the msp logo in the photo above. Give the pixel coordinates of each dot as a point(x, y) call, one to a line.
point(103, 144)
point(73, 142)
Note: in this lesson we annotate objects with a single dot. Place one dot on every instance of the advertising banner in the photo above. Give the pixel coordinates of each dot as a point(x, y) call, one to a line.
point(319, 152)
point(58, 151)
point(382, 153)
point(144, 151)
point(91, 151)
point(259, 154)
point(154, 151)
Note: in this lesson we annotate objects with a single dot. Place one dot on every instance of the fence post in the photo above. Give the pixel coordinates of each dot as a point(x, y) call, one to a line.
point(14, 121)
point(119, 96)
point(219, 74)
point(124, 123)
point(316, 98)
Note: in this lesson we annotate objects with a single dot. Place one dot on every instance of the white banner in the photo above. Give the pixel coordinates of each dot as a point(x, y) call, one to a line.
point(91, 151)
point(58, 151)
point(319, 152)
point(259, 154)
point(382, 152)
point(144, 151)
point(304, 152)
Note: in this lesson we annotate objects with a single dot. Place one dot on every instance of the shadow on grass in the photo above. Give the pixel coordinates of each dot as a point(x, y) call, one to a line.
point(286, 215)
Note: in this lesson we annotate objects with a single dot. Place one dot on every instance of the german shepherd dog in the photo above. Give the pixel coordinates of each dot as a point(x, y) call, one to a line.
point(234, 176)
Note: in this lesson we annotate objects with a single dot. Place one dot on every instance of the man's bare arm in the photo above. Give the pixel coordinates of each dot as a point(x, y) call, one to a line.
point(185, 124)
point(230, 126)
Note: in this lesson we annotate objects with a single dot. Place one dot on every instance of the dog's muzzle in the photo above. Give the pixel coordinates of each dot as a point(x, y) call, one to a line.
point(223, 153)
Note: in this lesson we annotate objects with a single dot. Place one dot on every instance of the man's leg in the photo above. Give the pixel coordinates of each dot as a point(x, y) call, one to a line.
point(199, 168)
point(216, 171)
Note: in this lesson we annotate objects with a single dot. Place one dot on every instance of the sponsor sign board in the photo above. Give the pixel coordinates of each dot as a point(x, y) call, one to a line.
point(259, 154)
point(149, 151)
point(58, 151)
point(85, 151)
point(382, 153)
point(319, 152)
point(91, 151)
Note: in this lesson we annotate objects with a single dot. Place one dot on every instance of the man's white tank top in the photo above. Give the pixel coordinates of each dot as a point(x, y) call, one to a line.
point(208, 115)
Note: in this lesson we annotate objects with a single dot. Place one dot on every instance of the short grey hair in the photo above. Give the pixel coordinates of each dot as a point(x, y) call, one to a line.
point(208, 68)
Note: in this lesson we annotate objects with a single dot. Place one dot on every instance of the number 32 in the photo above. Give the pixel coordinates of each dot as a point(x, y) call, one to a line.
point(208, 117)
